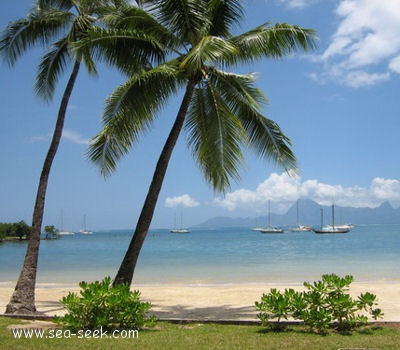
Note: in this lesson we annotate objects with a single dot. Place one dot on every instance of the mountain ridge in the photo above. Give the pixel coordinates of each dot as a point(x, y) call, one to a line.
point(310, 214)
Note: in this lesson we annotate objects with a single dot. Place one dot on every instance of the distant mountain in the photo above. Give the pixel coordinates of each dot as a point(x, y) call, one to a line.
point(310, 214)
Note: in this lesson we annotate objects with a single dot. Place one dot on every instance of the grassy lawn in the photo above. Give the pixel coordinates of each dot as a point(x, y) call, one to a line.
point(213, 336)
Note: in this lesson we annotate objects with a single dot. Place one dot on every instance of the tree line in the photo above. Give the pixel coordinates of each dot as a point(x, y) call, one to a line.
point(20, 230)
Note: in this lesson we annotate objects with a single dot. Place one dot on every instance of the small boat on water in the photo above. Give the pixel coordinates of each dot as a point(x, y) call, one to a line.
point(269, 228)
point(272, 230)
point(65, 233)
point(83, 230)
point(299, 228)
point(62, 232)
point(331, 228)
point(179, 230)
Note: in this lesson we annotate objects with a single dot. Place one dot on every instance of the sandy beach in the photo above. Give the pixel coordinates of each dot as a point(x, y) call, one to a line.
point(208, 302)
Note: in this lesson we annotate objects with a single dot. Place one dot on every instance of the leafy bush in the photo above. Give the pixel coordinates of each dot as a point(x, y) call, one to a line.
point(276, 305)
point(325, 304)
point(103, 305)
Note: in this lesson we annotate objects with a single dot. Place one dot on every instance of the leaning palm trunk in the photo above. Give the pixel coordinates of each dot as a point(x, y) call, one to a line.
point(127, 268)
point(23, 299)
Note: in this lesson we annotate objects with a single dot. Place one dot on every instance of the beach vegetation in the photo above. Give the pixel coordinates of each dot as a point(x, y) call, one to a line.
point(55, 25)
point(324, 305)
point(15, 230)
point(221, 112)
point(100, 304)
point(51, 231)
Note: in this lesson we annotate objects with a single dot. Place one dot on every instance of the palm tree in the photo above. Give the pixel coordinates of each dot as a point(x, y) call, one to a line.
point(56, 24)
point(220, 111)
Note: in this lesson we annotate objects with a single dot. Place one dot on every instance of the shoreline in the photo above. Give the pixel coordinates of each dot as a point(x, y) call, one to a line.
point(208, 302)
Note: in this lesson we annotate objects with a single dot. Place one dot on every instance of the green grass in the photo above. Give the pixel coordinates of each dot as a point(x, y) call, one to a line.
point(214, 336)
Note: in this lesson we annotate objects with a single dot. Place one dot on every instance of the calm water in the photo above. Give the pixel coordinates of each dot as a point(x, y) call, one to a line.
point(215, 256)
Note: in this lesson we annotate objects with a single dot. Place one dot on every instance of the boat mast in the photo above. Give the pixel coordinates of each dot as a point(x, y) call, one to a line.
point(333, 216)
point(322, 217)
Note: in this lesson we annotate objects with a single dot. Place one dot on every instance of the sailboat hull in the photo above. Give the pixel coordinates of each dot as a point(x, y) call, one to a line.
point(271, 230)
point(178, 230)
point(331, 230)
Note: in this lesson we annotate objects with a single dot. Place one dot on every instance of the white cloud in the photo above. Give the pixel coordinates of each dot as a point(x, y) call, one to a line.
point(284, 189)
point(296, 4)
point(365, 48)
point(74, 137)
point(67, 134)
point(185, 201)
point(395, 64)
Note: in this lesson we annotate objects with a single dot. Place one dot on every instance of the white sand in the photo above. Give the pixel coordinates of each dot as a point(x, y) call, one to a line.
point(204, 302)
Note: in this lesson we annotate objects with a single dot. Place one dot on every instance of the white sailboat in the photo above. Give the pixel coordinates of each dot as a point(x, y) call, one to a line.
point(269, 228)
point(299, 228)
point(83, 230)
point(62, 232)
point(331, 228)
point(178, 230)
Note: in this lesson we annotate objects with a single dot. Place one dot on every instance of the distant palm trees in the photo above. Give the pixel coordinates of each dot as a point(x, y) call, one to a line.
point(57, 25)
point(221, 112)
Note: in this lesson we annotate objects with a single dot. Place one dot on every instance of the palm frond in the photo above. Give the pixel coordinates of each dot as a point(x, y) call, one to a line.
point(126, 49)
point(40, 27)
point(183, 18)
point(223, 15)
point(215, 137)
point(210, 50)
point(62, 5)
point(238, 89)
point(138, 20)
point(51, 67)
point(129, 113)
point(262, 134)
point(274, 41)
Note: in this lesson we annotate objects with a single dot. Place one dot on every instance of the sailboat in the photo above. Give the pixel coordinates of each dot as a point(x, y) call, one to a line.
point(83, 230)
point(269, 229)
point(178, 230)
point(62, 232)
point(331, 228)
point(299, 228)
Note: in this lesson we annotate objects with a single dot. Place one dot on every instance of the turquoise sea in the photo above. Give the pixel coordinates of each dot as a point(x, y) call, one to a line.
point(219, 256)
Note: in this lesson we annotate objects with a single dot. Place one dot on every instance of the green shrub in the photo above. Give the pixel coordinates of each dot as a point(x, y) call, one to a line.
point(325, 304)
point(103, 305)
point(276, 306)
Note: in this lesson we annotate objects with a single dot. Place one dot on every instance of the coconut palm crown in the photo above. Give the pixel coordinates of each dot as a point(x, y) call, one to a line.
point(221, 111)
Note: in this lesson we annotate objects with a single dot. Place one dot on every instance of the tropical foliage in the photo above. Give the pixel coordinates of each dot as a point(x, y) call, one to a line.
point(101, 304)
point(221, 111)
point(325, 304)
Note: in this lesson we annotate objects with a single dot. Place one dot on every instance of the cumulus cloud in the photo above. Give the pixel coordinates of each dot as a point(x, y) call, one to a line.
point(285, 189)
point(365, 49)
point(184, 201)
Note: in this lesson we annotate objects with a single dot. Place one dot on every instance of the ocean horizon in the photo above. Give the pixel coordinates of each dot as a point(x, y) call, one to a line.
point(217, 256)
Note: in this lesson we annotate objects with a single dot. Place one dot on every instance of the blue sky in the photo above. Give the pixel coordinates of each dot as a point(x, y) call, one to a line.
point(339, 105)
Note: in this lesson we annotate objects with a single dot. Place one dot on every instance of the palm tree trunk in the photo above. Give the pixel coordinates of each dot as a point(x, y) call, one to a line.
point(23, 299)
point(127, 268)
